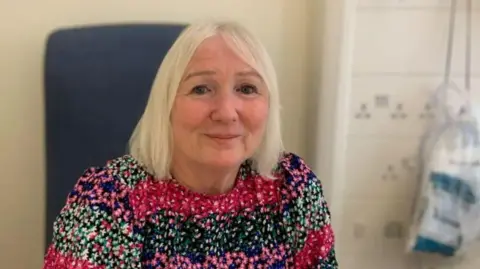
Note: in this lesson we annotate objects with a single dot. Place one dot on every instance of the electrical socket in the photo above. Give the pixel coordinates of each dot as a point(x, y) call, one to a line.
point(387, 107)
point(363, 112)
point(398, 113)
point(381, 168)
point(375, 226)
point(394, 230)
point(360, 231)
point(427, 112)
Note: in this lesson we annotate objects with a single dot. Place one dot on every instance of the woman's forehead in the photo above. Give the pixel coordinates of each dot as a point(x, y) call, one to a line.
point(214, 46)
point(221, 48)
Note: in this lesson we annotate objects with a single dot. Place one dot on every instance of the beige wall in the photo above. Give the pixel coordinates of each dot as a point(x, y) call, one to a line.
point(281, 24)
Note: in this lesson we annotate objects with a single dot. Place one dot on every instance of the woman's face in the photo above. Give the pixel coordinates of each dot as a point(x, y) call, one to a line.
point(220, 110)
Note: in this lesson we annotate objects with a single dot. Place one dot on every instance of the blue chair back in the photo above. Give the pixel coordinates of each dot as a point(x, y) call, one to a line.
point(97, 82)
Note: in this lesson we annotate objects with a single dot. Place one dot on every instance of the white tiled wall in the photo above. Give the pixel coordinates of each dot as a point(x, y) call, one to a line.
point(398, 60)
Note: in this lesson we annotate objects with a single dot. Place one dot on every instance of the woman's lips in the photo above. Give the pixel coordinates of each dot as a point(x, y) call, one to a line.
point(223, 136)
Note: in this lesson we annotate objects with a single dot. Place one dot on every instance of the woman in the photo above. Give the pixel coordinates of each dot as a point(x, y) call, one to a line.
point(206, 183)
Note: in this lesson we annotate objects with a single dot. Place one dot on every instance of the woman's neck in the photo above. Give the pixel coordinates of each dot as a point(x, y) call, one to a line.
point(204, 180)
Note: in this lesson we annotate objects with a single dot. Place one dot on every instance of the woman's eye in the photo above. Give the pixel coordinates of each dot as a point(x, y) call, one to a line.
point(200, 90)
point(247, 89)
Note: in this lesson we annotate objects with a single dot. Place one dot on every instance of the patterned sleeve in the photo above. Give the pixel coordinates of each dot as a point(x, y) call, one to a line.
point(95, 229)
point(313, 238)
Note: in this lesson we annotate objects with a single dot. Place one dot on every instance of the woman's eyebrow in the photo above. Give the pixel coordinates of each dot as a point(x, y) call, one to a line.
point(199, 73)
point(211, 72)
point(249, 73)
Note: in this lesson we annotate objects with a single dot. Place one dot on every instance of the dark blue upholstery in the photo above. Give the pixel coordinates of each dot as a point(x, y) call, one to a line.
point(97, 81)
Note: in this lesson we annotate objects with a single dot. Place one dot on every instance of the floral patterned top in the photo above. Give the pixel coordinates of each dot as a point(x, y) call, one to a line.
point(119, 216)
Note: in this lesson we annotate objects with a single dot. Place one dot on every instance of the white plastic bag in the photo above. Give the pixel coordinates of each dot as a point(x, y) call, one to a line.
point(447, 208)
point(447, 213)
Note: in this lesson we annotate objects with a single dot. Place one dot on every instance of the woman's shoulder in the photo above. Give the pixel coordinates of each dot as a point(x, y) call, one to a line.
point(294, 168)
point(107, 188)
point(297, 176)
point(115, 175)
point(127, 170)
point(306, 212)
point(97, 210)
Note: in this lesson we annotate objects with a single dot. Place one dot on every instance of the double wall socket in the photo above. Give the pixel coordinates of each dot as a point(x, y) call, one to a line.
point(381, 168)
point(394, 106)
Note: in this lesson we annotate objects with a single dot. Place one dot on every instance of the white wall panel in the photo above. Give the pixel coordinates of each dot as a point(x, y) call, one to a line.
point(410, 41)
point(412, 4)
point(398, 60)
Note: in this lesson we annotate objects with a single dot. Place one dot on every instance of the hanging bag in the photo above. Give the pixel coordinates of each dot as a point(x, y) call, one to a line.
point(447, 207)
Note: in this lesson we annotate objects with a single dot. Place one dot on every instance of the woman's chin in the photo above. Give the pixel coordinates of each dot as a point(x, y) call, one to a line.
point(225, 159)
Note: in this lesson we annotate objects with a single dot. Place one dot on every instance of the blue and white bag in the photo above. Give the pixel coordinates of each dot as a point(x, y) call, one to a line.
point(447, 208)
point(447, 213)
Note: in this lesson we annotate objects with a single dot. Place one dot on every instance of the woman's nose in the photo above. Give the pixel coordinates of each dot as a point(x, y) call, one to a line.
point(225, 106)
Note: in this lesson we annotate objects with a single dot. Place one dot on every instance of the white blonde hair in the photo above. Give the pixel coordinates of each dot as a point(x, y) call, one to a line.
point(151, 141)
